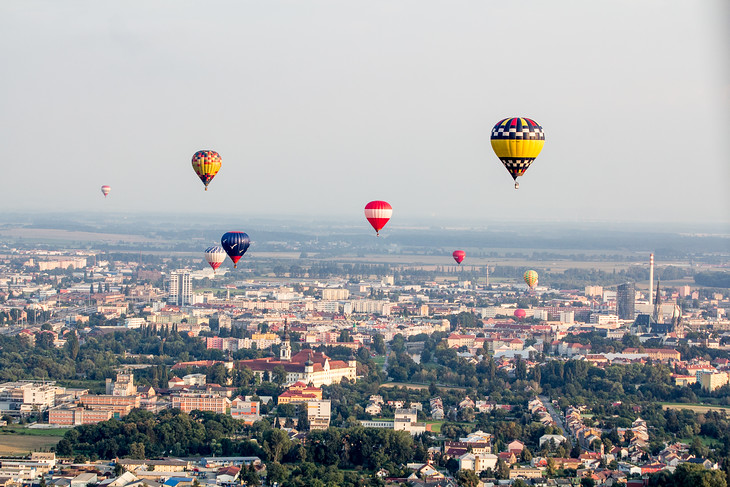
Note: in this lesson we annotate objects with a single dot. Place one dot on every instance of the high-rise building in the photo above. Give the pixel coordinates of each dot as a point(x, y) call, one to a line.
point(625, 298)
point(181, 288)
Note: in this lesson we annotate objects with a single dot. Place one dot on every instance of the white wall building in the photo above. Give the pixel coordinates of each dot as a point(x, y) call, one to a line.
point(181, 288)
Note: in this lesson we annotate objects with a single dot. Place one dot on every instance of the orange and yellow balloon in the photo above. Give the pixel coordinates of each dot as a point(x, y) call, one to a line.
point(530, 279)
point(517, 142)
point(206, 164)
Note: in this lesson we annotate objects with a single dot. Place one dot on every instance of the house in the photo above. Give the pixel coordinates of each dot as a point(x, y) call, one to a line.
point(227, 475)
point(406, 420)
point(508, 457)
point(478, 462)
point(515, 447)
point(121, 481)
point(557, 439)
point(373, 409)
point(179, 482)
point(525, 473)
point(466, 403)
point(84, 479)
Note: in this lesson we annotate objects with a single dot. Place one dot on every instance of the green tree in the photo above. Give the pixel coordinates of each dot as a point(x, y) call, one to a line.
point(279, 375)
point(379, 344)
point(276, 472)
point(468, 478)
point(276, 444)
point(137, 451)
point(502, 470)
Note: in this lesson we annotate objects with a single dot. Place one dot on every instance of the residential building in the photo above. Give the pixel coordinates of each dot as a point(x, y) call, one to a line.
point(181, 288)
point(190, 401)
point(300, 392)
point(24, 397)
point(478, 462)
point(72, 415)
point(249, 411)
point(625, 300)
point(407, 420)
point(711, 381)
point(319, 413)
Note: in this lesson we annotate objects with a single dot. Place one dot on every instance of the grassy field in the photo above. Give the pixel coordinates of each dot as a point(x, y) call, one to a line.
point(404, 384)
point(709, 442)
point(380, 360)
point(15, 440)
point(698, 408)
point(436, 425)
point(18, 430)
point(409, 385)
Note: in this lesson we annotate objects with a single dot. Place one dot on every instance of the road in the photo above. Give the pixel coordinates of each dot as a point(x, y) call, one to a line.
point(556, 417)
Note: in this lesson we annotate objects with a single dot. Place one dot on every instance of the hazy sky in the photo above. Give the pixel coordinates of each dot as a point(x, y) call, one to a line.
point(318, 107)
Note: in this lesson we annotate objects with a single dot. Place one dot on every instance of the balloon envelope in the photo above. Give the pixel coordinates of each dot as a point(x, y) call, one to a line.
point(530, 278)
point(378, 213)
point(459, 256)
point(517, 142)
point(106, 189)
point(520, 313)
point(235, 245)
point(206, 164)
point(215, 256)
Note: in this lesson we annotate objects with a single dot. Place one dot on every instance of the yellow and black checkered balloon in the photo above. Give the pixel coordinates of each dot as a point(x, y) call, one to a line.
point(517, 142)
point(206, 164)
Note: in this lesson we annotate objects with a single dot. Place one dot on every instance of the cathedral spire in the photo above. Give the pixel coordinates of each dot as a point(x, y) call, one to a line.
point(285, 352)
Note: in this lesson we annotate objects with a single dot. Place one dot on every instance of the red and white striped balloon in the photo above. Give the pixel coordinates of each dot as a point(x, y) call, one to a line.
point(105, 190)
point(378, 213)
point(215, 256)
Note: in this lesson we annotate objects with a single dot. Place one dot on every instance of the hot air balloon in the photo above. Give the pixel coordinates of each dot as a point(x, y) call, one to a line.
point(235, 245)
point(105, 190)
point(378, 213)
point(517, 142)
point(531, 279)
point(520, 313)
point(459, 256)
point(215, 256)
point(206, 164)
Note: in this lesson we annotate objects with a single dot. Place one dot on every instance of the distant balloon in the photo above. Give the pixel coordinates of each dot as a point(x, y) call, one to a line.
point(215, 256)
point(520, 313)
point(459, 256)
point(105, 190)
point(206, 164)
point(517, 142)
point(235, 245)
point(531, 279)
point(378, 213)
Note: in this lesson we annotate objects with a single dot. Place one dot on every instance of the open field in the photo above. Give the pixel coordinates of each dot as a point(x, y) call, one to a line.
point(409, 385)
point(435, 425)
point(416, 387)
point(18, 430)
point(698, 408)
point(13, 444)
point(380, 360)
point(709, 442)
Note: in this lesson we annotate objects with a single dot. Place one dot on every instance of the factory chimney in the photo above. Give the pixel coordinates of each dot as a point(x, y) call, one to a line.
point(651, 279)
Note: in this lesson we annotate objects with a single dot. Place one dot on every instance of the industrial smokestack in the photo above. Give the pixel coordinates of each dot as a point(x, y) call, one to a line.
point(651, 278)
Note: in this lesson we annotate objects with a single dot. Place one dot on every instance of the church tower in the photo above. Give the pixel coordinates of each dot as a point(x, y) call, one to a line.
point(285, 352)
